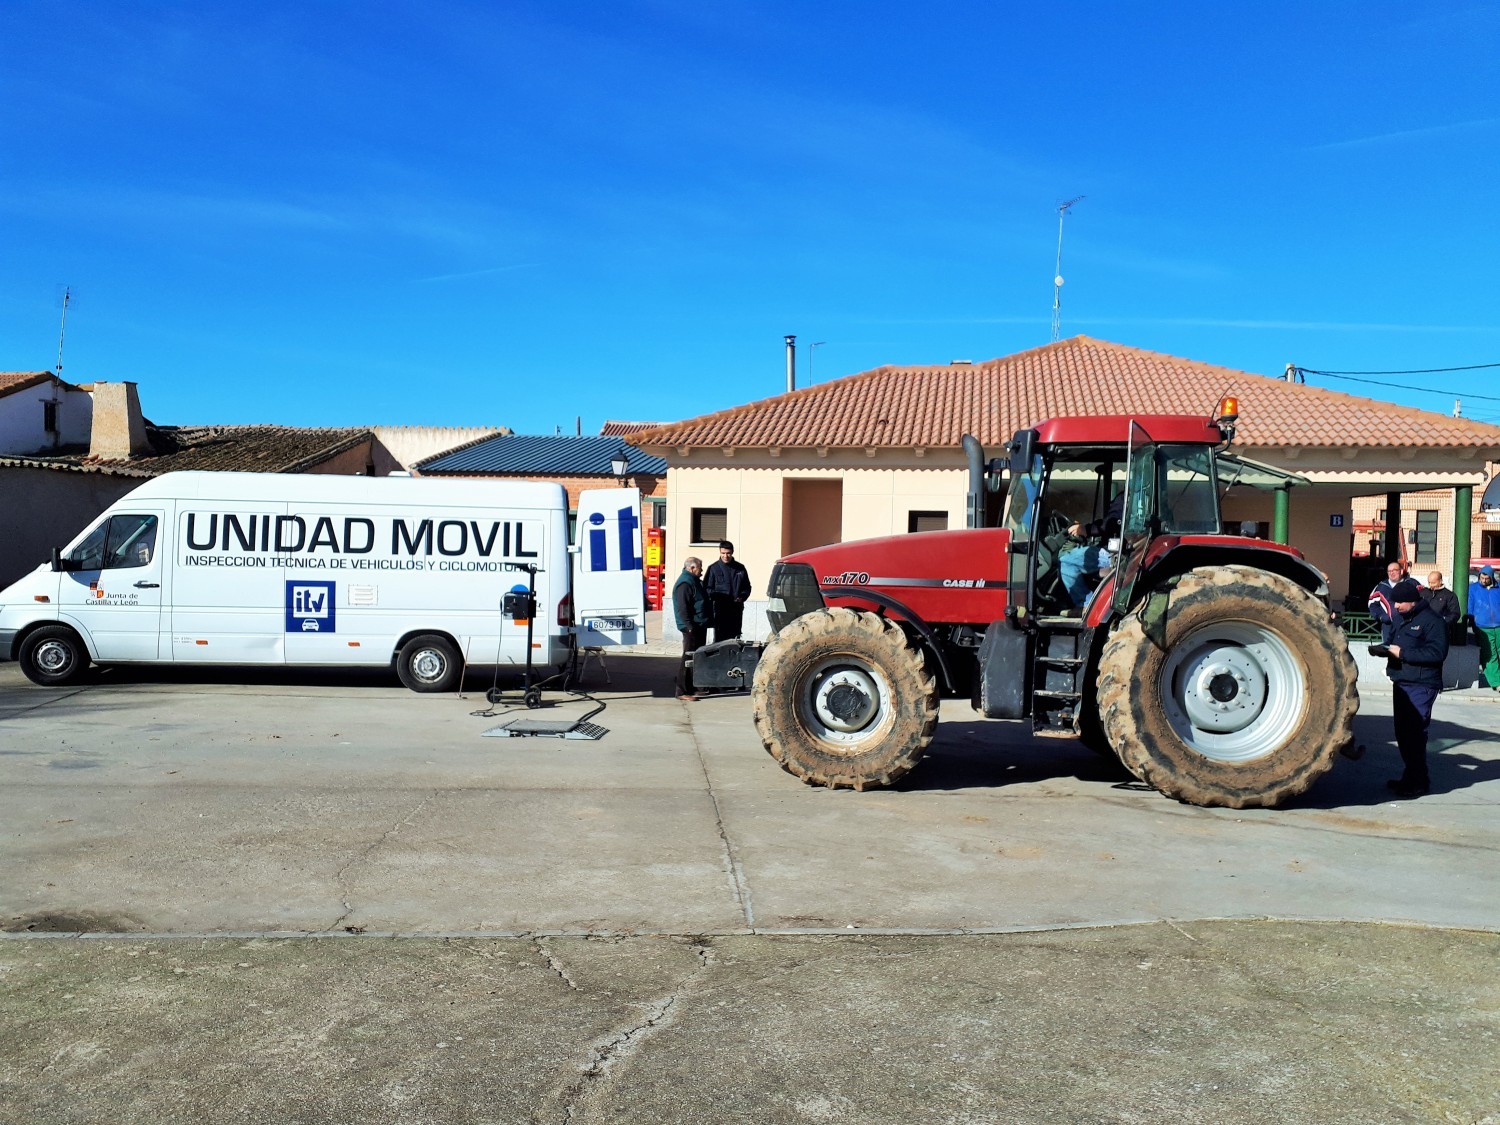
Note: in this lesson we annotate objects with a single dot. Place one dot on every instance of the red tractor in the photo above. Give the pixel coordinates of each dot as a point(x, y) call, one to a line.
point(1097, 596)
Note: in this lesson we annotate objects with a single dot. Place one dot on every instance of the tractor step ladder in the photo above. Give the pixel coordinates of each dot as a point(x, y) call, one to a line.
point(1057, 671)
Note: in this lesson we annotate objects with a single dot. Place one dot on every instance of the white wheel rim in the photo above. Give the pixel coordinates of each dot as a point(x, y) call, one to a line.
point(428, 665)
point(53, 657)
point(1234, 691)
point(844, 700)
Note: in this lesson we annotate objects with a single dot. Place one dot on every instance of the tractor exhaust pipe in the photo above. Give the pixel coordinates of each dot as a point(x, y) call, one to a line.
point(974, 454)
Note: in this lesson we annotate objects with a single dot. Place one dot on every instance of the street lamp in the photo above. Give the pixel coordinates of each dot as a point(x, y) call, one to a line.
point(619, 464)
point(811, 348)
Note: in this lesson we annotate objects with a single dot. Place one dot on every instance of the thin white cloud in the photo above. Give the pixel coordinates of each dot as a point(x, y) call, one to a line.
point(1405, 135)
point(1073, 323)
point(473, 273)
point(1277, 325)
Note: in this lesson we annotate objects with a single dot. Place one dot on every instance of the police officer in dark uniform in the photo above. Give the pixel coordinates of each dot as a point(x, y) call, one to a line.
point(1414, 662)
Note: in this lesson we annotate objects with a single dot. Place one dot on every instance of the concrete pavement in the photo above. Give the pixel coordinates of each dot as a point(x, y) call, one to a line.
point(1019, 933)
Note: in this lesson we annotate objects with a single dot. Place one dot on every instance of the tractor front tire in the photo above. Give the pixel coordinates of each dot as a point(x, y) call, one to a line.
point(1238, 693)
point(843, 699)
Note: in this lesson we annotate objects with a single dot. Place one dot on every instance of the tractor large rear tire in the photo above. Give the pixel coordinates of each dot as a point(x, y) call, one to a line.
point(842, 699)
point(1239, 693)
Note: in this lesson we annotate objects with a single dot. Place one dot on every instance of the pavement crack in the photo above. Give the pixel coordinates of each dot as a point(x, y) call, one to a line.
point(341, 876)
point(608, 1054)
point(737, 881)
point(554, 964)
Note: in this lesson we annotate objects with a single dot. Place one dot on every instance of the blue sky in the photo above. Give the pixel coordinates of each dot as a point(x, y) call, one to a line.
point(523, 213)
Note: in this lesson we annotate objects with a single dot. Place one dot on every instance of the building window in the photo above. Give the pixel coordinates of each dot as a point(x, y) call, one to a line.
point(926, 521)
point(49, 417)
point(1427, 536)
point(710, 524)
point(658, 513)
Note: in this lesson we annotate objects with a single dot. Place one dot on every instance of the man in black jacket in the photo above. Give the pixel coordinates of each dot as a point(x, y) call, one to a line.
point(728, 586)
point(1414, 662)
point(1444, 602)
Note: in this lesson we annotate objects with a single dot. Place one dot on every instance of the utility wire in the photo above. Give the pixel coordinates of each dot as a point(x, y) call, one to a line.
point(1414, 371)
point(1348, 377)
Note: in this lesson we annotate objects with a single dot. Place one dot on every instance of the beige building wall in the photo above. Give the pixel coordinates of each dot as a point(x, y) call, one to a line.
point(874, 500)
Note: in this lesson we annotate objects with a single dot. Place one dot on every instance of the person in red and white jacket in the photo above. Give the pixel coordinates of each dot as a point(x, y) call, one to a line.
point(1382, 609)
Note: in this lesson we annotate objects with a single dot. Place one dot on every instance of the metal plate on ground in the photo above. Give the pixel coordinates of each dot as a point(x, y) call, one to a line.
point(548, 728)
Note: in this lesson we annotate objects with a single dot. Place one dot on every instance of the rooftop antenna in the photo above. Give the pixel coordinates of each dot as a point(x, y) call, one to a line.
point(67, 299)
point(1057, 277)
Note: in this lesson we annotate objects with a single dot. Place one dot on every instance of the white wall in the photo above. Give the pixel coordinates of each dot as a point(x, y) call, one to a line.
point(21, 419)
point(399, 447)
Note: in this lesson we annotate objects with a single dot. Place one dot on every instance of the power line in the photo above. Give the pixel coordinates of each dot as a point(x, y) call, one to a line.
point(1414, 371)
point(1348, 377)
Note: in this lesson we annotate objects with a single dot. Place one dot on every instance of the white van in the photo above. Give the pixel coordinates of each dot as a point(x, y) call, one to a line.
point(274, 569)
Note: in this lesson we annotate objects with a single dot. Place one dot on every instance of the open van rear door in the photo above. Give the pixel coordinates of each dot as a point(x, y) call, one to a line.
point(609, 593)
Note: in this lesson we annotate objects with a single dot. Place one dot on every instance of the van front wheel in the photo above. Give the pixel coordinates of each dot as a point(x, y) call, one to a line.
point(429, 663)
point(53, 656)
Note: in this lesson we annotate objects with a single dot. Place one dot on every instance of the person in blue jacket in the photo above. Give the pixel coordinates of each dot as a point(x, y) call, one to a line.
point(1414, 663)
point(1484, 607)
point(1381, 608)
point(690, 607)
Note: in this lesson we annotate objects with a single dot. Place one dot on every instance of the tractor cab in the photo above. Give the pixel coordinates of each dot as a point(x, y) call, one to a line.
point(1086, 495)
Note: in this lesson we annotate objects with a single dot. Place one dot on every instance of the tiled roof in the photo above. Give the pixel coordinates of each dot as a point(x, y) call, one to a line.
point(562, 455)
point(258, 449)
point(249, 449)
point(73, 464)
point(936, 406)
point(19, 380)
point(620, 429)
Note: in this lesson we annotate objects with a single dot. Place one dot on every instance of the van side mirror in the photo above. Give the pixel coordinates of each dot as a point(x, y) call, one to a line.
point(62, 564)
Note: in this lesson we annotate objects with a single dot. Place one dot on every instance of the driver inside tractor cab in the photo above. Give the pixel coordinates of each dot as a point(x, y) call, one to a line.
point(1084, 562)
point(1082, 501)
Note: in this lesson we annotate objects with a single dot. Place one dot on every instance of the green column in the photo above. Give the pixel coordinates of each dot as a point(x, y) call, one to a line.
point(1279, 532)
point(1463, 515)
point(1392, 538)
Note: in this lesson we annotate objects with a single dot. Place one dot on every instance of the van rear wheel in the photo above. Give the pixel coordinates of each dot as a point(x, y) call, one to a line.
point(429, 663)
point(53, 656)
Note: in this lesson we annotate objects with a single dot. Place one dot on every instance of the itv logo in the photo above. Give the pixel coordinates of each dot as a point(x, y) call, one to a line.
point(626, 520)
point(310, 607)
point(309, 601)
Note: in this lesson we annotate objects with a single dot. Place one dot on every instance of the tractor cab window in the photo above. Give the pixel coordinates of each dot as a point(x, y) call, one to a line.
point(1189, 503)
point(1077, 517)
point(1025, 487)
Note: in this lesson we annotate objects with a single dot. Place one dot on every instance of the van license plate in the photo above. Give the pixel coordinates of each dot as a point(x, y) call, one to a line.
point(599, 624)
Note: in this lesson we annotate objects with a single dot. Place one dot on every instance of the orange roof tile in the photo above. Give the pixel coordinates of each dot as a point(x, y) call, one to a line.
point(936, 406)
point(20, 380)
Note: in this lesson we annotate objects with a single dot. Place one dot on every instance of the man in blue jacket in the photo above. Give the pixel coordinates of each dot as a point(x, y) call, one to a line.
point(1381, 608)
point(1414, 662)
point(1484, 607)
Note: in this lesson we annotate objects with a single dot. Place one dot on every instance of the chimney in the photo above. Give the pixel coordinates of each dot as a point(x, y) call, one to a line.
point(791, 364)
point(118, 430)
